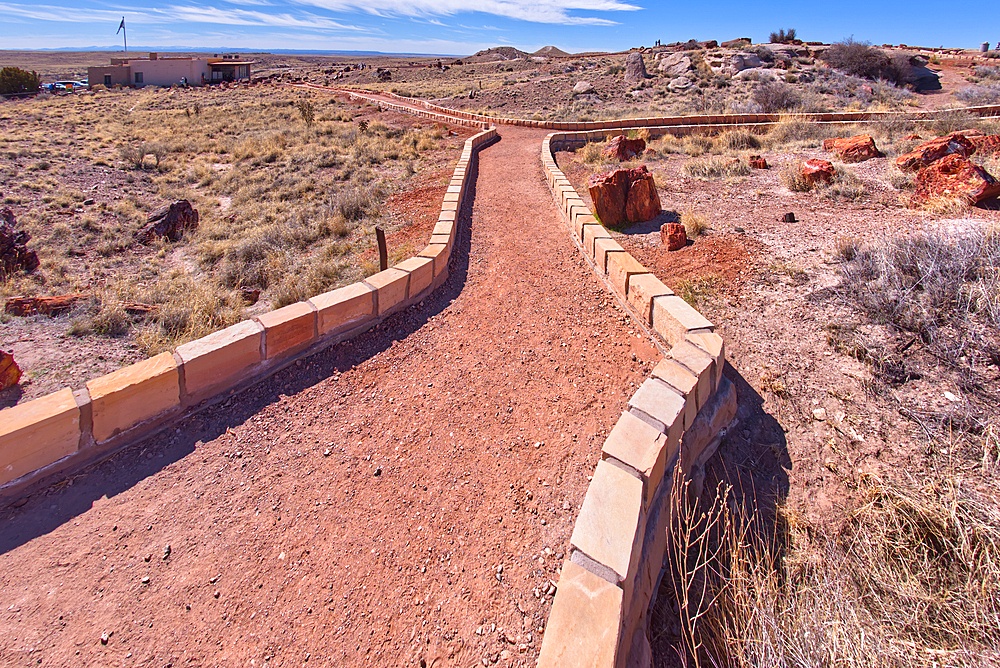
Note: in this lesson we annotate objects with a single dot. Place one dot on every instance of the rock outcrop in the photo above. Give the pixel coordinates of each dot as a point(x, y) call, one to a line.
point(815, 171)
point(14, 253)
point(624, 195)
point(853, 149)
point(953, 177)
point(169, 222)
point(621, 148)
point(935, 149)
point(10, 373)
point(635, 68)
point(674, 65)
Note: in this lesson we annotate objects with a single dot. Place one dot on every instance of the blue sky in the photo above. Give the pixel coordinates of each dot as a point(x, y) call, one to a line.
point(463, 27)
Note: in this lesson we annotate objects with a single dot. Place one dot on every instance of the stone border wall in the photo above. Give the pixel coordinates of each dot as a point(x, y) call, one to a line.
point(676, 418)
point(68, 429)
point(701, 120)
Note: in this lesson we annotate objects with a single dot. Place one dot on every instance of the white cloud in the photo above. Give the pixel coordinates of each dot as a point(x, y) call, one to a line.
point(536, 11)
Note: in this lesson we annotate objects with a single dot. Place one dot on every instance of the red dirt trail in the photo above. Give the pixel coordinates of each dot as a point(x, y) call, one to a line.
point(401, 499)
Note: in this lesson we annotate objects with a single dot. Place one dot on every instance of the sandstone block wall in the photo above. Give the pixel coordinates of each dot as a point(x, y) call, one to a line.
point(65, 430)
point(675, 418)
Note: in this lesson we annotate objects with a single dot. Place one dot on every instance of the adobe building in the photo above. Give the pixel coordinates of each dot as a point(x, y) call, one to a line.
point(169, 71)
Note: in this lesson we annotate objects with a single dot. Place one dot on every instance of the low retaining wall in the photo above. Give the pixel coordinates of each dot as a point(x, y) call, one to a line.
point(676, 418)
point(68, 429)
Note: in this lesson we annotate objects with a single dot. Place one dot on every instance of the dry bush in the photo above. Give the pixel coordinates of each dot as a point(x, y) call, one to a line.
point(694, 224)
point(791, 176)
point(775, 96)
point(738, 140)
point(716, 167)
point(790, 131)
point(861, 59)
point(910, 578)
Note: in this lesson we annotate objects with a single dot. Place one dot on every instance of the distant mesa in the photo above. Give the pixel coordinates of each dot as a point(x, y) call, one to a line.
point(550, 52)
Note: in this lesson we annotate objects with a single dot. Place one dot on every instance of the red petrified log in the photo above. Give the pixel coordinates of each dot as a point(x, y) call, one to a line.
point(673, 236)
point(622, 148)
point(10, 373)
point(816, 170)
point(44, 305)
point(624, 195)
point(935, 149)
point(757, 162)
point(953, 177)
point(853, 149)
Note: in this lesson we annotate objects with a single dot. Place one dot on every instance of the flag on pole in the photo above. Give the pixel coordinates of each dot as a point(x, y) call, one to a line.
point(121, 25)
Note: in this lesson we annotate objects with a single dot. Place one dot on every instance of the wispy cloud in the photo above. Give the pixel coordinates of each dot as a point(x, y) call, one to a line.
point(536, 11)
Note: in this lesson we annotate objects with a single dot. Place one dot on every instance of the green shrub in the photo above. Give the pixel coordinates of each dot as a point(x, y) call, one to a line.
point(14, 80)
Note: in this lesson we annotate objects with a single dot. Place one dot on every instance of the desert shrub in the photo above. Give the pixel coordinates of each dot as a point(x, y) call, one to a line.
point(135, 154)
point(783, 37)
point(945, 289)
point(953, 120)
point(861, 59)
point(984, 72)
point(739, 140)
point(353, 202)
point(694, 224)
point(910, 578)
point(762, 52)
point(14, 80)
point(716, 167)
point(976, 96)
point(846, 185)
point(591, 152)
point(250, 261)
point(774, 96)
point(792, 177)
point(307, 111)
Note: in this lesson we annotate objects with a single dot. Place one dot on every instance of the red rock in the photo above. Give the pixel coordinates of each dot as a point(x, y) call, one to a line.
point(935, 149)
point(853, 149)
point(169, 222)
point(816, 170)
point(14, 253)
point(673, 236)
point(45, 305)
point(986, 144)
point(757, 162)
point(10, 373)
point(953, 177)
point(622, 148)
point(643, 201)
point(912, 137)
point(624, 195)
point(969, 134)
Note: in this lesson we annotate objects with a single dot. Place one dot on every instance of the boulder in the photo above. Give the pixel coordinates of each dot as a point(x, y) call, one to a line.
point(756, 74)
point(737, 43)
point(933, 150)
point(744, 61)
point(675, 65)
point(583, 87)
point(10, 373)
point(169, 222)
point(673, 236)
point(853, 149)
point(635, 68)
point(622, 148)
point(680, 84)
point(815, 170)
point(624, 195)
point(14, 253)
point(953, 177)
point(757, 162)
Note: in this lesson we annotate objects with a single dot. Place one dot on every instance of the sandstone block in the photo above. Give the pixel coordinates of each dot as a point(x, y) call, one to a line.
point(37, 433)
point(590, 233)
point(444, 227)
point(621, 268)
point(700, 364)
point(673, 318)
point(391, 287)
point(684, 382)
point(610, 526)
point(642, 289)
point(288, 329)
point(584, 622)
point(642, 447)
point(659, 405)
point(714, 345)
point(439, 255)
point(216, 362)
point(421, 271)
point(715, 416)
point(343, 307)
point(140, 392)
point(582, 221)
point(603, 248)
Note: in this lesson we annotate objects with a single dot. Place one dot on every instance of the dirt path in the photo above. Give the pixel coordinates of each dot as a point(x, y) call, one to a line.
point(402, 499)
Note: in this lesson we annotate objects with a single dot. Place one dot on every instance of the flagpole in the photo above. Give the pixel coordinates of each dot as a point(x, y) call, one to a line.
point(125, 37)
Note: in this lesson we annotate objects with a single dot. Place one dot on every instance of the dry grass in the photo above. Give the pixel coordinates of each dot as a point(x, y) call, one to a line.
point(910, 578)
point(716, 167)
point(288, 190)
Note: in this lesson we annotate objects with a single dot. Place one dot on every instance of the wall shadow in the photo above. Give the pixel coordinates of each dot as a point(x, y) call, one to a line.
point(44, 510)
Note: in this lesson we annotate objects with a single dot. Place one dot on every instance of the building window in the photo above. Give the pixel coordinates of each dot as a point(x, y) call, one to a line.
point(107, 79)
point(216, 75)
point(138, 77)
